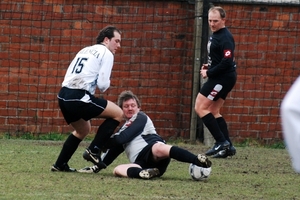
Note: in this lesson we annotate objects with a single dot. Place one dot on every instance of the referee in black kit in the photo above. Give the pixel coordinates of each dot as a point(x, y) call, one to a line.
point(221, 73)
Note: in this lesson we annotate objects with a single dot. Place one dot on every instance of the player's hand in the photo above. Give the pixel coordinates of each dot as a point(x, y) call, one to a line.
point(204, 66)
point(203, 73)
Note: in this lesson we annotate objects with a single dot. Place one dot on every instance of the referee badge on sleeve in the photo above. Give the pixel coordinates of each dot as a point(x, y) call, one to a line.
point(227, 53)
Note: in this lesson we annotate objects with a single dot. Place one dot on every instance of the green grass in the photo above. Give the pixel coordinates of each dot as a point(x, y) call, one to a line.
point(254, 173)
point(36, 136)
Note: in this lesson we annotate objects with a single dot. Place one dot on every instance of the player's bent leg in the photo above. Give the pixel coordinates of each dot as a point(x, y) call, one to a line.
point(160, 151)
point(121, 170)
point(97, 146)
point(135, 171)
point(113, 115)
point(112, 111)
point(70, 145)
point(186, 156)
point(82, 128)
point(68, 149)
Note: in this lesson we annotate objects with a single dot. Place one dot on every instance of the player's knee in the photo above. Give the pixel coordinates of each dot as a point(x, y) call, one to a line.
point(113, 111)
point(215, 112)
point(200, 110)
point(156, 149)
point(119, 116)
point(116, 171)
point(198, 107)
point(160, 150)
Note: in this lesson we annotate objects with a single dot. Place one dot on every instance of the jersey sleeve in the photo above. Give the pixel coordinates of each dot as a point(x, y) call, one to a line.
point(290, 115)
point(132, 128)
point(106, 65)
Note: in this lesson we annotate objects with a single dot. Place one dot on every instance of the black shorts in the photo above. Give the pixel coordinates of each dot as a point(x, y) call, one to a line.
point(145, 160)
point(78, 104)
point(219, 87)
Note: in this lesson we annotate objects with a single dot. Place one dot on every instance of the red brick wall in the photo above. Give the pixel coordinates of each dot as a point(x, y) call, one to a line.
point(38, 39)
point(267, 53)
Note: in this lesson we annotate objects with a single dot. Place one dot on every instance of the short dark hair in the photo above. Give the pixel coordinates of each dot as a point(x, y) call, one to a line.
point(108, 31)
point(220, 10)
point(125, 96)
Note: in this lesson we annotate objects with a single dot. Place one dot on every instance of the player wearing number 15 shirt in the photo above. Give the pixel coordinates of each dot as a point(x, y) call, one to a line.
point(90, 69)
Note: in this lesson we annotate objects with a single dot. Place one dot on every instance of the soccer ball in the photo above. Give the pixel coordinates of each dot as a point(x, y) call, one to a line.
point(199, 173)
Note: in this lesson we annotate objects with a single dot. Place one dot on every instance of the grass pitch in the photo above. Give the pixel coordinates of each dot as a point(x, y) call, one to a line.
point(253, 173)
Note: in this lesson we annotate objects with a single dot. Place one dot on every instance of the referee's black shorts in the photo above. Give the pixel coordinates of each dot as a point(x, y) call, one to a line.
point(219, 87)
point(78, 104)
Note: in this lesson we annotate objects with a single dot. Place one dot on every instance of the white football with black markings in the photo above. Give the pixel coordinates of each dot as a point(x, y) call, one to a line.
point(199, 173)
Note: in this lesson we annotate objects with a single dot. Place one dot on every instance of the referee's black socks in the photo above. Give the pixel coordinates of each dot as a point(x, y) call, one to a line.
point(212, 125)
point(223, 126)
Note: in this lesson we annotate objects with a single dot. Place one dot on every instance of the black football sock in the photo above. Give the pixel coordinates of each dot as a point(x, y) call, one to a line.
point(68, 149)
point(133, 172)
point(112, 154)
point(105, 130)
point(211, 123)
point(223, 126)
point(182, 155)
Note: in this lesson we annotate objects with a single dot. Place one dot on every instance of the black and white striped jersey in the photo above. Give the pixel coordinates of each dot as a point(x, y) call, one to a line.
point(135, 134)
